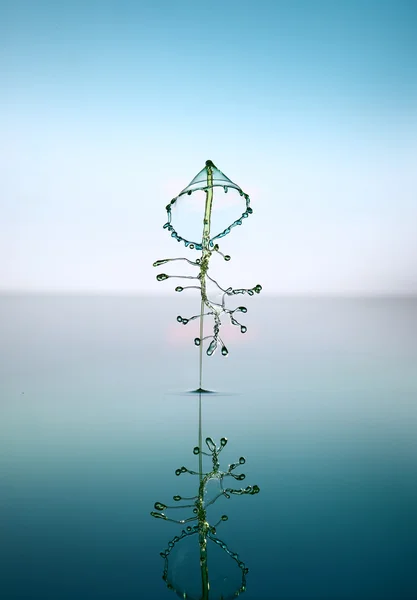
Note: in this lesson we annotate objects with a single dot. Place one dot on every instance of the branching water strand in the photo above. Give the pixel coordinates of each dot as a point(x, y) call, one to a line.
point(207, 180)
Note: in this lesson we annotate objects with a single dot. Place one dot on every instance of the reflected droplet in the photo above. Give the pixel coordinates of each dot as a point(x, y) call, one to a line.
point(158, 515)
point(210, 444)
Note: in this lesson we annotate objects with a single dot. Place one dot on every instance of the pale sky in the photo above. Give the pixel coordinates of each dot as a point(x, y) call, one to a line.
point(109, 109)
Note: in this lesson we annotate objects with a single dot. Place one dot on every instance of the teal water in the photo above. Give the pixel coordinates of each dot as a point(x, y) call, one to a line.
point(319, 396)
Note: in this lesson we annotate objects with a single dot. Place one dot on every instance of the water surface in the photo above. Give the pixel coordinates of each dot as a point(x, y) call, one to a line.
point(320, 396)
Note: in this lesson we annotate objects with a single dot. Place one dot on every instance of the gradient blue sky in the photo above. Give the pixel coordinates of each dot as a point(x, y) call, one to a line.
point(108, 109)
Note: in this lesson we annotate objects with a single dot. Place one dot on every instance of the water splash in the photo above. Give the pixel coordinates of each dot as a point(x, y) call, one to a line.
point(198, 522)
point(206, 180)
point(203, 529)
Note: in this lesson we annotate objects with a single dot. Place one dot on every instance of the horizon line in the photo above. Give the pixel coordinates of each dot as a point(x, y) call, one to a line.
point(137, 293)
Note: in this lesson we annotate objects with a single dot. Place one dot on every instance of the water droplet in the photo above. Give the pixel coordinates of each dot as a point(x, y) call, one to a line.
point(179, 319)
point(225, 189)
point(189, 528)
point(197, 341)
point(177, 498)
point(159, 506)
point(242, 309)
point(210, 444)
point(224, 517)
point(242, 460)
point(227, 257)
point(256, 489)
point(195, 511)
point(196, 450)
point(225, 351)
point(240, 477)
point(158, 263)
point(258, 288)
point(190, 192)
point(198, 261)
point(178, 288)
point(158, 515)
point(183, 469)
point(223, 442)
point(249, 210)
point(243, 328)
point(185, 321)
point(178, 472)
point(162, 276)
point(192, 246)
point(212, 347)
